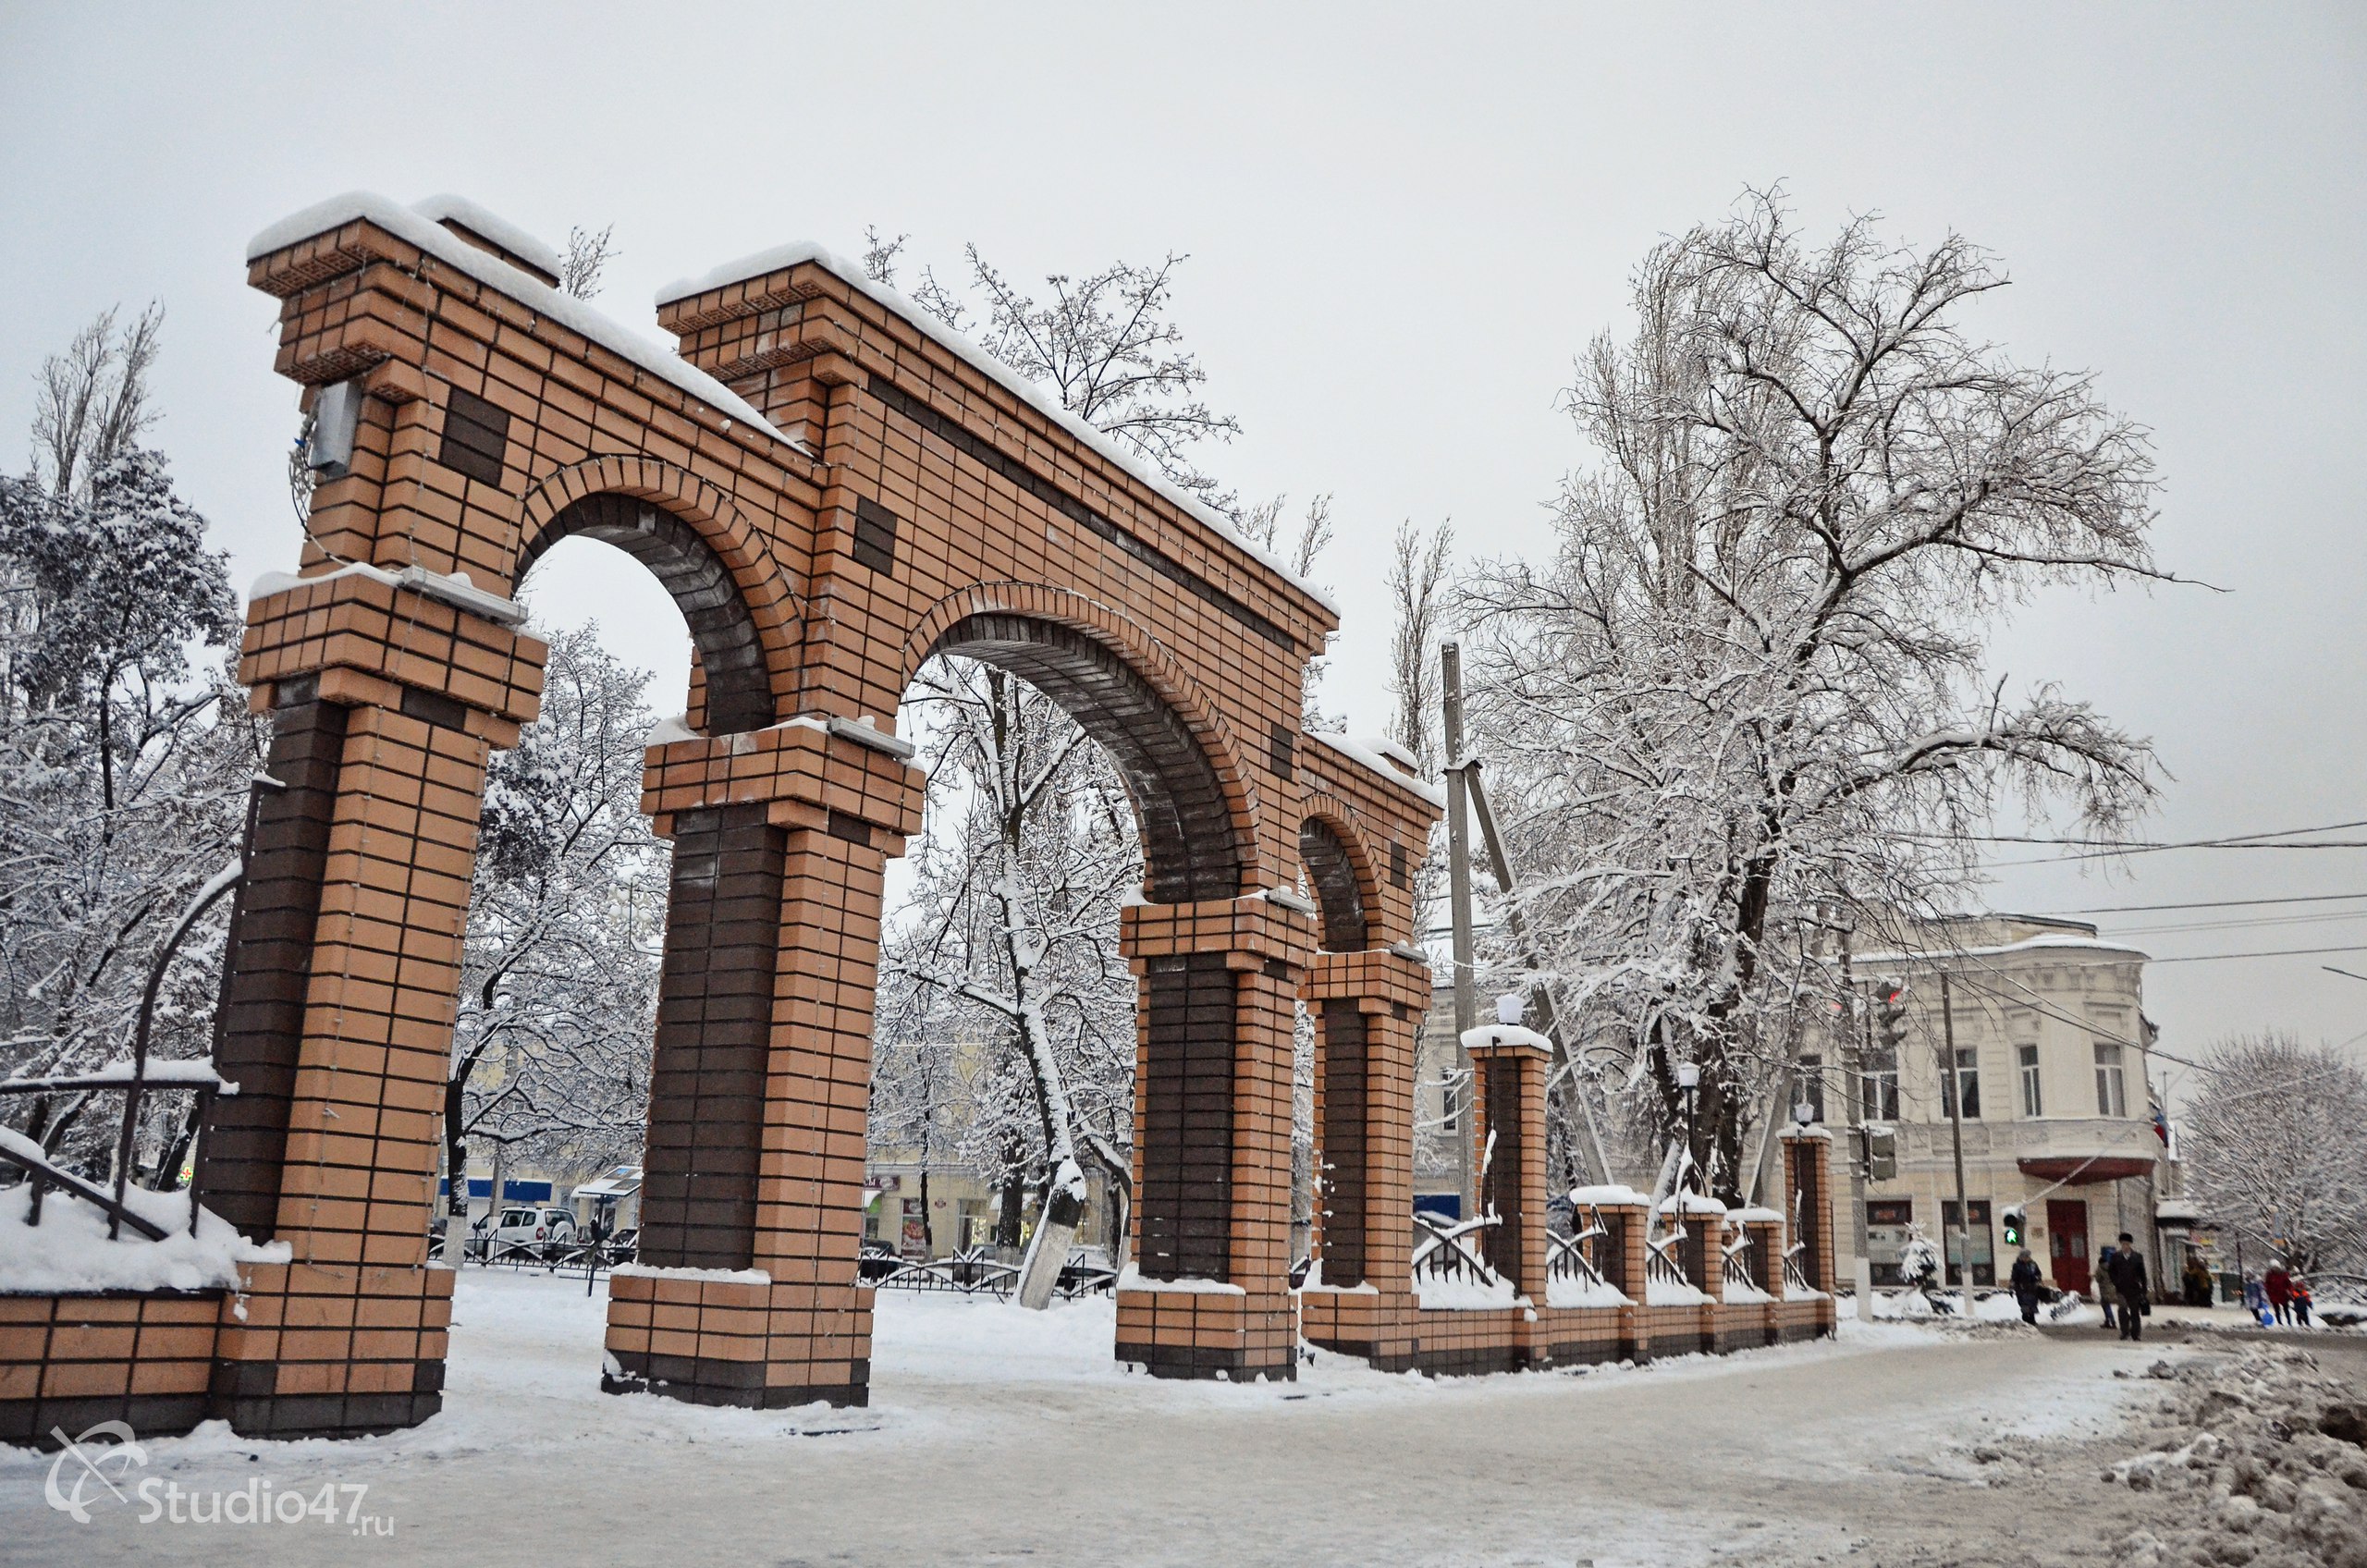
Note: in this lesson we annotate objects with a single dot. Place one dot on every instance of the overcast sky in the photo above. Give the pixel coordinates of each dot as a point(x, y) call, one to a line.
point(1403, 223)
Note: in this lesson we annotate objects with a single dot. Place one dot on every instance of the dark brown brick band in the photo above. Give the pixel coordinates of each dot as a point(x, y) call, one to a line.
point(713, 1380)
point(1345, 1110)
point(715, 1015)
point(1187, 1202)
point(274, 923)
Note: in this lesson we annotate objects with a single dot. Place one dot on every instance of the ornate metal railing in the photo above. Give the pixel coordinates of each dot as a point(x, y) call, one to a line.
point(1661, 1265)
point(1447, 1251)
point(1566, 1257)
point(134, 1079)
point(1737, 1270)
point(976, 1272)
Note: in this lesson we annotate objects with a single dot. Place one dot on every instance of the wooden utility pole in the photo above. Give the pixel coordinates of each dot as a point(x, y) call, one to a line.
point(1458, 855)
point(1955, 1082)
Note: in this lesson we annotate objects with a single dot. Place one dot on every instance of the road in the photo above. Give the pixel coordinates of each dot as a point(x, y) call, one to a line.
point(1001, 1436)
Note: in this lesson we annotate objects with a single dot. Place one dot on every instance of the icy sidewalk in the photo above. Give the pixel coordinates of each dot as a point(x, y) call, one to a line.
point(996, 1433)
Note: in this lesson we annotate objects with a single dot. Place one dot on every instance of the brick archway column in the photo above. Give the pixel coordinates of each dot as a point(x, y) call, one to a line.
point(343, 972)
point(745, 1291)
point(1367, 1006)
point(1207, 1294)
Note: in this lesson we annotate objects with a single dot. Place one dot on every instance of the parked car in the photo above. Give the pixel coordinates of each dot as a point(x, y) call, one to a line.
point(531, 1233)
point(878, 1260)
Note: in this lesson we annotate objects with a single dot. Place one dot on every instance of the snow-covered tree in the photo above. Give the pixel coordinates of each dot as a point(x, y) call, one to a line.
point(1104, 343)
point(1010, 938)
point(125, 752)
point(2275, 1144)
point(1751, 682)
point(558, 982)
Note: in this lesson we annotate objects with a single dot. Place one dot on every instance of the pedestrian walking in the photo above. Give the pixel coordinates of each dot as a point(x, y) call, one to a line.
point(2025, 1282)
point(2129, 1285)
point(2301, 1300)
point(2104, 1297)
point(2255, 1299)
point(2198, 1281)
point(2279, 1285)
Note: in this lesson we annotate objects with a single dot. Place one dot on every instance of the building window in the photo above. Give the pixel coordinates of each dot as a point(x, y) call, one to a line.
point(1984, 1257)
point(1966, 1080)
point(1808, 1086)
point(1886, 1223)
point(1882, 1085)
point(2112, 1080)
point(2033, 1104)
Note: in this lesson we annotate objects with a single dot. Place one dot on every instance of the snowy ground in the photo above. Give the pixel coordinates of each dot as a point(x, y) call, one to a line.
point(998, 1434)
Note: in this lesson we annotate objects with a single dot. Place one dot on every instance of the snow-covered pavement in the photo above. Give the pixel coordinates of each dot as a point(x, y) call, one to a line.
point(996, 1435)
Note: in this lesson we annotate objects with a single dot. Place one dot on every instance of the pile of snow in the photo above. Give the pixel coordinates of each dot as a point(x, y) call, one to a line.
point(68, 1252)
point(1583, 1292)
point(2267, 1453)
point(1465, 1295)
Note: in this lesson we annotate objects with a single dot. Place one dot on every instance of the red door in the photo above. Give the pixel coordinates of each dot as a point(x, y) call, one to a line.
point(2066, 1233)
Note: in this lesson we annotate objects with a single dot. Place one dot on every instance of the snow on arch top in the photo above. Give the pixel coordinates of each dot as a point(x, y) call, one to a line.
point(459, 212)
point(431, 237)
point(802, 251)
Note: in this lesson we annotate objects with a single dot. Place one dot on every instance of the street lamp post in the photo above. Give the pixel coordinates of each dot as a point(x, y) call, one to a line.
point(1689, 1078)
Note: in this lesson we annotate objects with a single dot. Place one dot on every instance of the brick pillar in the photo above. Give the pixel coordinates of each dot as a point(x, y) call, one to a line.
point(371, 847)
point(1622, 1211)
point(1808, 1188)
point(1208, 1294)
point(761, 1078)
point(1704, 1251)
point(1807, 1205)
point(1765, 1227)
point(1367, 1006)
point(1509, 1072)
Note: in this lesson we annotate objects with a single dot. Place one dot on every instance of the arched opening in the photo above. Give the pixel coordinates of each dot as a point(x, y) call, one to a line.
point(1189, 845)
point(723, 629)
point(1340, 1062)
point(1065, 786)
point(609, 1032)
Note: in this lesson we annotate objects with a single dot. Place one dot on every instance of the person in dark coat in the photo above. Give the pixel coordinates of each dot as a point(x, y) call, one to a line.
point(2127, 1270)
point(2025, 1280)
point(2103, 1284)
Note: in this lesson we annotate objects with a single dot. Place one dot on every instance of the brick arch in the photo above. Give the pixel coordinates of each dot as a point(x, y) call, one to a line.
point(1339, 869)
point(1199, 811)
point(733, 595)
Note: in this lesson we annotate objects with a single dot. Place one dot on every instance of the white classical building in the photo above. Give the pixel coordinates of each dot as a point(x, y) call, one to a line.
point(2050, 1039)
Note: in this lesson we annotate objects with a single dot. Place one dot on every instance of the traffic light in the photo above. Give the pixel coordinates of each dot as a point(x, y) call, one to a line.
point(1882, 1153)
point(1889, 1015)
point(2012, 1223)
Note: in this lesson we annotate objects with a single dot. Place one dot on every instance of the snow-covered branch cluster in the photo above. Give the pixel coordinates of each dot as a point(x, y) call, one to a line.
point(126, 752)
point(558, 980)
point(1748, 693)
point(2276, 1143)
point(1006, 1014)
